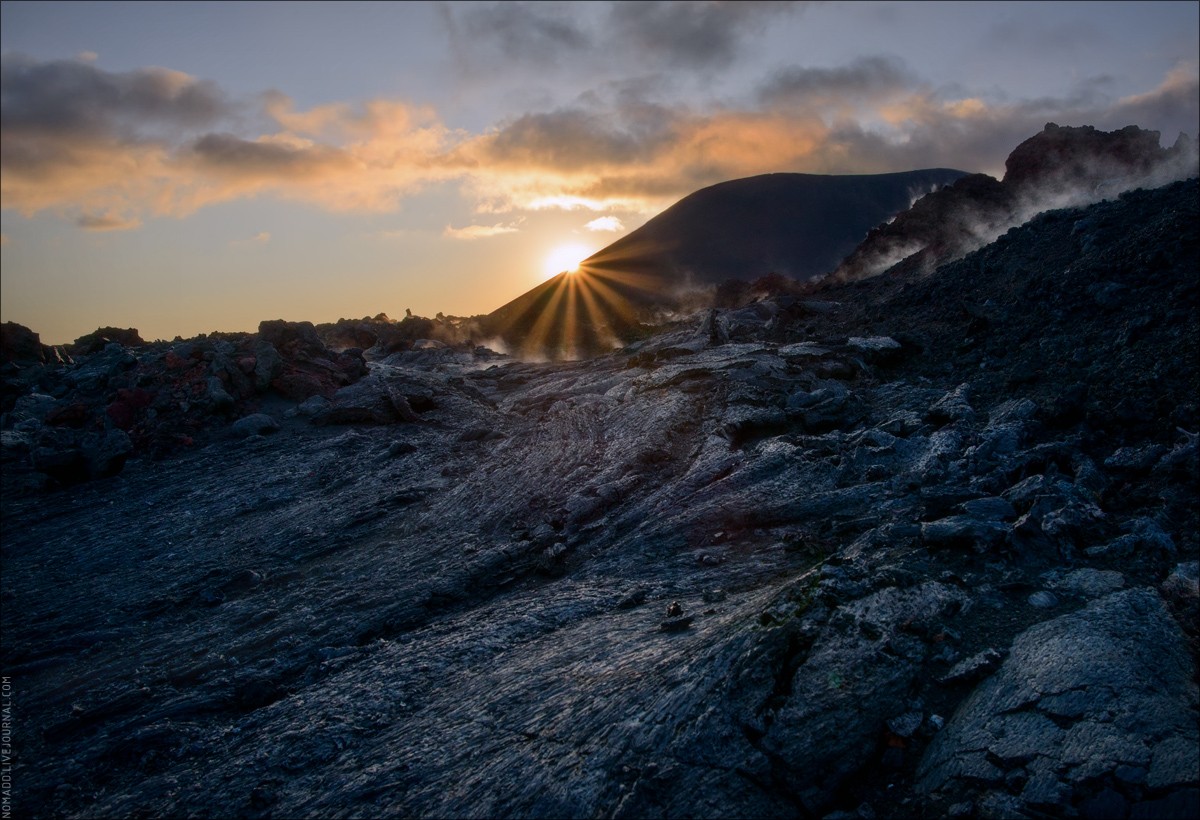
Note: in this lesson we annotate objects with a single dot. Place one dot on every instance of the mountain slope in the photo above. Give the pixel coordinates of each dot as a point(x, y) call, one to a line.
point(797, 225)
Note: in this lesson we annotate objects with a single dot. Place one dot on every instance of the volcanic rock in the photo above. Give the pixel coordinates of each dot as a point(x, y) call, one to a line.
point(1078, 698)
point(100, 338)
point(472, 622)
point(20, 344)
point(1060, 166)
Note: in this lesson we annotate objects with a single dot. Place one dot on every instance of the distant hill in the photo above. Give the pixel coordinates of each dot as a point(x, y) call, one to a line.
point(797, 225)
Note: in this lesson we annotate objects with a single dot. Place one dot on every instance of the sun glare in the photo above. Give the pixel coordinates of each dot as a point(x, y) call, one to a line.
point(565, 258)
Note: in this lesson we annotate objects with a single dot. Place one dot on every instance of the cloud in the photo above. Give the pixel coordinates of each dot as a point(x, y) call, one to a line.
point(873, 115)
point(260, 238)
point(479, 231)
point(87, 56)
point(568, 138)
point(1175, 103)
point(864, 81)
point(79, 141)
point(266, 157)
point(537, 33)
point(691, 34)
point(605, 223)
point(106, 150)
point(487, 37)
point(101, 223)
point(66, 98)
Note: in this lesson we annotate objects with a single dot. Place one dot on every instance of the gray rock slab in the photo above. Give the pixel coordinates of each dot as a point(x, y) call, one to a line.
point(1104, 688)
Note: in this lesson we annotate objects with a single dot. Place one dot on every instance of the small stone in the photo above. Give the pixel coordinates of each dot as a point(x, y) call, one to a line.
point(254, 425)
point(906, 725)
point(1045, 789)
point(994, 508)
point(961, 810)
point(676, 624)
point(674, 610)
point(1151, 536)
point(973, 668)
point(212, 597)
point(313, 406)
point(1090, 582)
point(400, 448)
point(873, 343)
point(635, 598)
point(1121, 547)
point(714, 596)
point(952, 406)
point(1183, 583)
point(1043, 600)
point(243, 580)
point(964, 531)
point(1135, 459)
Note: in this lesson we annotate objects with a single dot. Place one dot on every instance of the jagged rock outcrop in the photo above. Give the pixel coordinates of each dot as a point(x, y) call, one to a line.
point(20, 344)
point(1061, 166)
point(79, 419)
point(101, 337)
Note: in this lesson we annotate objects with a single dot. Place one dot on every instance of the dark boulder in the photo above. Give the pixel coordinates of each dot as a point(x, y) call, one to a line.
point(101, 337)
point(20, 344)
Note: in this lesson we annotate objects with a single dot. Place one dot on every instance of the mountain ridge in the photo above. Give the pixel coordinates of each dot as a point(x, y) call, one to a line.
point(789, 224)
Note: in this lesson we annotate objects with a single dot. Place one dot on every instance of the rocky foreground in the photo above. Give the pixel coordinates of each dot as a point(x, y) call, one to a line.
point(916, 546)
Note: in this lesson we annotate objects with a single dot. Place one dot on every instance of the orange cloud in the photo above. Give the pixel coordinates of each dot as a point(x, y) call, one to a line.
point(101, 223)
point(605, 223)
point(107, 149)
point(479, 231)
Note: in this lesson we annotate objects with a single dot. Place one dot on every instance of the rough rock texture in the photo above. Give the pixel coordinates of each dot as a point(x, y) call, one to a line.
point(1061, 166)
point(20, 344)
point(151, 399)
point(1100, 701)
point(98, 339)
point(787, 559)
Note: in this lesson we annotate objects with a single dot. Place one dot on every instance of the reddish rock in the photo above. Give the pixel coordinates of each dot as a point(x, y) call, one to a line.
point(298, 386)
point(73, 415)
point(125, 409)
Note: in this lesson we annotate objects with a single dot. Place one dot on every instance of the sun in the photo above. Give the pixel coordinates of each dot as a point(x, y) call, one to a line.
point(565, 258)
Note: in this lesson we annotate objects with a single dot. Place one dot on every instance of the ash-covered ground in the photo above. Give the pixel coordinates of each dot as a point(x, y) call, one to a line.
point(920, 545)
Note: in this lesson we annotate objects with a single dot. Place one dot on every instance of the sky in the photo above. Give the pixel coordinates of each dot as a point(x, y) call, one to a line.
point(184, 167)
